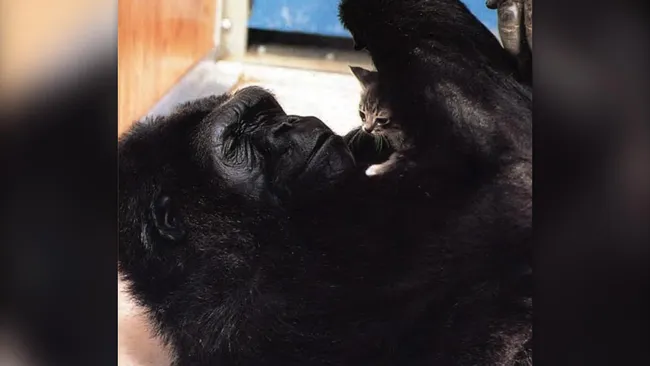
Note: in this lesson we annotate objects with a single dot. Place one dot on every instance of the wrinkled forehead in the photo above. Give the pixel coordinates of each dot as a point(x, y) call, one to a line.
point(189, 136)
point(194, 117)
point(155, 144)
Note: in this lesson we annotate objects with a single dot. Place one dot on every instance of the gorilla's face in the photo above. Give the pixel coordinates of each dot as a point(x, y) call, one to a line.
point(261, 152)
point(202, 187)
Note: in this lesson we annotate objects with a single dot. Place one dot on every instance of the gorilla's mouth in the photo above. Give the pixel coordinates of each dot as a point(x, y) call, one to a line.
point(323, 155)
point(321, 143)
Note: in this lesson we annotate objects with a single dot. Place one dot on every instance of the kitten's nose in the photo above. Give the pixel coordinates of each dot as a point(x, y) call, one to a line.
point(366, 129)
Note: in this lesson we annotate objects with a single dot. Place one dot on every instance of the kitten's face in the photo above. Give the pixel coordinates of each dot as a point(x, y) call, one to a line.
point(373, 110)
point(376, 119)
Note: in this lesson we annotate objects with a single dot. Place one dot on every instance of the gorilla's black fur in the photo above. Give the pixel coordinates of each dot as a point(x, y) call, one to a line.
point(252, 239)
point(454, 88)
point(468, 113)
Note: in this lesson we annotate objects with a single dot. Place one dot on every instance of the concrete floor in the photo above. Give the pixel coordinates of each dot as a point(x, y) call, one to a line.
point(331, 96)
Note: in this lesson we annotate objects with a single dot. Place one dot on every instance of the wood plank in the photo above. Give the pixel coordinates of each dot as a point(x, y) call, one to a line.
point(158, 41)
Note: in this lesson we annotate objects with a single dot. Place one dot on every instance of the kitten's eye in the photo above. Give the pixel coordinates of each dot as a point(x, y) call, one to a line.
point(382, 121)
point(362, 115)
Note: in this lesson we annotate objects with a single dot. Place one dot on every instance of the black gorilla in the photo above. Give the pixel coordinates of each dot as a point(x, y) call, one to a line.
point(253, 239)
point(457, 93)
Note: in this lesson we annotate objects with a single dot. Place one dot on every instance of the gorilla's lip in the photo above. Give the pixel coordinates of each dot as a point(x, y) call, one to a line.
point(321, 143)
point(322, 149)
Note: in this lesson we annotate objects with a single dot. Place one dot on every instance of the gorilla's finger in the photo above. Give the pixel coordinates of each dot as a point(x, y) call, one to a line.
point(510, 14)
point(528, 22)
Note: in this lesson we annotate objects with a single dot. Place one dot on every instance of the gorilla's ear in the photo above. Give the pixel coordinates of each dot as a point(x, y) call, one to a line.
point(166, 220)
point(365, 77)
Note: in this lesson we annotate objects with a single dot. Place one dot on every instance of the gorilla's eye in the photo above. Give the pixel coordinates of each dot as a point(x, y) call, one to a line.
point(382, 121)
point(165, 219)
point(362, 115)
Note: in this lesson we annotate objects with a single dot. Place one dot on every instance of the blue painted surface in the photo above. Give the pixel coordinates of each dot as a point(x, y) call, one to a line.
point(321, 16)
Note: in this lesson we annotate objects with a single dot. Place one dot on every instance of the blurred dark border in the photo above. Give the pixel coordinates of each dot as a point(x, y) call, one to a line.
point(59, 219)
point(591, 201)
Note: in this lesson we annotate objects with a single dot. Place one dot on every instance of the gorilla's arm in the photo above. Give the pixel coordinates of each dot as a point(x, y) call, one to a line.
point(443, 74)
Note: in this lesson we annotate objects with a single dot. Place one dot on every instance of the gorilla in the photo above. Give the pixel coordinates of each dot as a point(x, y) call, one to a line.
point(252, 237)
point(513, 14)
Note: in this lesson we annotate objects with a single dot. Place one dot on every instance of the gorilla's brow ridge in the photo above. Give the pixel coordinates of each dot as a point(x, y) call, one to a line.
point(238, 147)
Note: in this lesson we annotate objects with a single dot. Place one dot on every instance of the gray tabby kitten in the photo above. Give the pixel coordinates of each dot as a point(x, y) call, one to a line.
point(377, 120)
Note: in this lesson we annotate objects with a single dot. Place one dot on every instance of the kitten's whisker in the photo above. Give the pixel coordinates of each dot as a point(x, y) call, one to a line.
point(379, 142)
point(386, 142)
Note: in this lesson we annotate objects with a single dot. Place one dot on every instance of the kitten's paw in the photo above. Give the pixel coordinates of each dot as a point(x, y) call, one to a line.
point(375, 170)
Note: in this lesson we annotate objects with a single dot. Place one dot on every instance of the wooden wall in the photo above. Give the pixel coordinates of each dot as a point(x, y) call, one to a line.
point(159, 40)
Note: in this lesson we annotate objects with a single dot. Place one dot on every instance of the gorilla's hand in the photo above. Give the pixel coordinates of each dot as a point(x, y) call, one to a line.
point(513, 14)
point(516, 31)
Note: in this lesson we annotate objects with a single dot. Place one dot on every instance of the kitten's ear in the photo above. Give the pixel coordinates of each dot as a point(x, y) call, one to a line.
point(365, 77)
